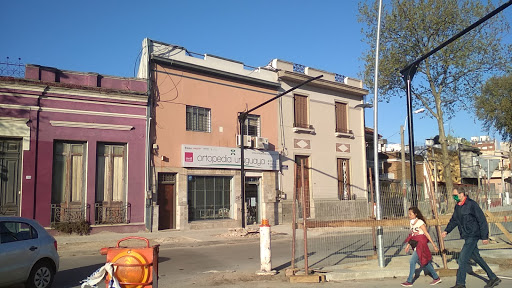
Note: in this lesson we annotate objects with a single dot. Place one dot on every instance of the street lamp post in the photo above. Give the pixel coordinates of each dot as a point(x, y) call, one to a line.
point(402, 156)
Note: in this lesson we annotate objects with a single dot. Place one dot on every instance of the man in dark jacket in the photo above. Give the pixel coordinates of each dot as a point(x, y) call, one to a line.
point(470, 220)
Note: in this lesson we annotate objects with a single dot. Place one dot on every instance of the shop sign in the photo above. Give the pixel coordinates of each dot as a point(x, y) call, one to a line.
point(229, 158)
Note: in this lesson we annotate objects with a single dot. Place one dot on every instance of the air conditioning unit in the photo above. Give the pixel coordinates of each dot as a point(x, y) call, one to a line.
point(247, 140)
point(260, 143)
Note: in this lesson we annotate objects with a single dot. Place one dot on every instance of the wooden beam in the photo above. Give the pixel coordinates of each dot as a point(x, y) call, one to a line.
point(500, 226)
point(401, 222)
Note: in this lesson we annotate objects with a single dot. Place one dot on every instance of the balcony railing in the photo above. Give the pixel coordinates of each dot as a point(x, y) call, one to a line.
point(68, 213)
point(112, 213)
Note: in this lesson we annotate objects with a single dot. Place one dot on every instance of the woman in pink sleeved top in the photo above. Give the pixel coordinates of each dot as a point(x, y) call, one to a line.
point(421, 253)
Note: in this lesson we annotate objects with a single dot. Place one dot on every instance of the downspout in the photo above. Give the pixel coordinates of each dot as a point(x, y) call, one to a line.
point(149, 194)
point(34, 207)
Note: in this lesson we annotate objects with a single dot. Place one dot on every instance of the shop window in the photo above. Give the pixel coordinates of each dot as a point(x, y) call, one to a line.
point(209, 197)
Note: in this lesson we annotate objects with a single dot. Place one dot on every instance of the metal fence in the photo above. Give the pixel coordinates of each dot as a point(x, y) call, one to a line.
point(339, 239)
point(68, 213)
point(12, 68)
point(112, 213)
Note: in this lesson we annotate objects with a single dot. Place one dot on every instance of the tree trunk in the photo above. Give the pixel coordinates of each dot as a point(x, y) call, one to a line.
point(445, 159)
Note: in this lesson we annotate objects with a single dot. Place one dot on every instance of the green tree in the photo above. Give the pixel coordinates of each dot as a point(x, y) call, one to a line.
point(446, 81)
point(494, 105)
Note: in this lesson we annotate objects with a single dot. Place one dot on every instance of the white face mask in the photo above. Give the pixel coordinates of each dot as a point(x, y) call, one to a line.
point(413, 220)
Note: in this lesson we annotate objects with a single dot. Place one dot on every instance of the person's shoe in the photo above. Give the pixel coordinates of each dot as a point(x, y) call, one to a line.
point(493, 282)
point(459, 286)
point(406, 284)
point(436, 281)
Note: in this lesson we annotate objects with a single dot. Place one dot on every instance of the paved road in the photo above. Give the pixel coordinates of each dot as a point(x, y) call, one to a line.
point(231, 264)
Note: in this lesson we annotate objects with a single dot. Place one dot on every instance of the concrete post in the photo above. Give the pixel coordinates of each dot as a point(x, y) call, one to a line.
point(265, 251)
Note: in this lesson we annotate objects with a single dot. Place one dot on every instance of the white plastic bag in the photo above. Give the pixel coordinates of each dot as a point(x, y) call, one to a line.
point(98, 275)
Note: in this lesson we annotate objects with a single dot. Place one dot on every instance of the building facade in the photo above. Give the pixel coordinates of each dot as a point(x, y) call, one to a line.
point(195, 136)
point(321, 129)
point(70, 143)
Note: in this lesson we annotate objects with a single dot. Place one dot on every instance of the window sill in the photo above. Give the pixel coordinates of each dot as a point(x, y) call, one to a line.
point(348, 134)
point(304, 130)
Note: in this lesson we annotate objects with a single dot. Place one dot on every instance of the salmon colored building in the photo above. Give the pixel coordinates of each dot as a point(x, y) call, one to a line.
point(195, 139)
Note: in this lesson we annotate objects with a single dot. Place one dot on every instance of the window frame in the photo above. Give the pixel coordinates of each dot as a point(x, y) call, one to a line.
point(67, 194)
point(203, 211)
point(256, 118)
point(341, 115)
point(32, 232)
point(301, 111)
point(194, 123)
point(107, 195)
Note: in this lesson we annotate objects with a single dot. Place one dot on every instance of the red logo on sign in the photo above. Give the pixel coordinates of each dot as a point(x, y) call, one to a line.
point(189, 157)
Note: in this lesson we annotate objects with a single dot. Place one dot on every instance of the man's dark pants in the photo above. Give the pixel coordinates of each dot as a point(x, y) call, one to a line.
point(470, 251)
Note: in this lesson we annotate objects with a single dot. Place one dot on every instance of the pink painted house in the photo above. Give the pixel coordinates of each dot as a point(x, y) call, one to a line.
point(195, 136)
point(72, 148)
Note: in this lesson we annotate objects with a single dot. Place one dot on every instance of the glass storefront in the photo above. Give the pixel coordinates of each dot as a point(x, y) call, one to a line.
point(209, 197)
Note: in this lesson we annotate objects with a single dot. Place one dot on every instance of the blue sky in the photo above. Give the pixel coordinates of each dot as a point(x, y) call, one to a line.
point(106, 37)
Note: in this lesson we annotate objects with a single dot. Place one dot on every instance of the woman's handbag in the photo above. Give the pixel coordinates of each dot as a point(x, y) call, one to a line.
point(413, 243)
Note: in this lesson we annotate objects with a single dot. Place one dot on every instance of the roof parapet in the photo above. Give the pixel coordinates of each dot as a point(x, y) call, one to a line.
point(313, 72)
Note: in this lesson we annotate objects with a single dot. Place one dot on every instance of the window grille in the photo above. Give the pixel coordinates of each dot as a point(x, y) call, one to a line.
point(198, 119)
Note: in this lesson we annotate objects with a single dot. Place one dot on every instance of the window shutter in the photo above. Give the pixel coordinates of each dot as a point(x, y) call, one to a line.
point(341, 117)
point(301, 111)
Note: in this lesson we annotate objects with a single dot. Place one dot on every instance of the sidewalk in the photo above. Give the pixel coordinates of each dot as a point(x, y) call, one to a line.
point(70, 245)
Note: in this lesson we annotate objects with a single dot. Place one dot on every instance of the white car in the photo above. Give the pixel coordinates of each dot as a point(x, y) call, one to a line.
point(28, 254)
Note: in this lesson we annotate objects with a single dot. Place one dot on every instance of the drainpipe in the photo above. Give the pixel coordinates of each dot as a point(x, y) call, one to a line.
point(149, 196)
point(34, 207)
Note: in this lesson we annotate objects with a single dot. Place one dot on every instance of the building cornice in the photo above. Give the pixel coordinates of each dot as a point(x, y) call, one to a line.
point(339, 87)
point(37, 88)
point(215, 72)
point(70, 124)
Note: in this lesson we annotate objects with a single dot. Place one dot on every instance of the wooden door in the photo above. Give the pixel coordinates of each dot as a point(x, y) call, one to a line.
point(298, 176)
point(10, 164)
point(166, 207)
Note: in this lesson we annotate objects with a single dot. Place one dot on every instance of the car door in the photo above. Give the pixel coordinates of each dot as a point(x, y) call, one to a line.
point(19, 248)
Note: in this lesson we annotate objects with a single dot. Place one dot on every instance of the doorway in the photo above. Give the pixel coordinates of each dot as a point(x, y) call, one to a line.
point(166, 201)
point(302, 195)
point(252, 200)
point(10, 174)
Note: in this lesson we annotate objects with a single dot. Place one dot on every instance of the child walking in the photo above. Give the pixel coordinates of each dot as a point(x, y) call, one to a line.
point(419, 238)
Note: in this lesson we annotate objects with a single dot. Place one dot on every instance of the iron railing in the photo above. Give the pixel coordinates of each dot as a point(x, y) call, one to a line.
point(68, 213)
point(112, 213)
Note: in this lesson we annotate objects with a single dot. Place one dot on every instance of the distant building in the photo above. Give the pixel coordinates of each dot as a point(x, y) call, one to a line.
point(484, 143)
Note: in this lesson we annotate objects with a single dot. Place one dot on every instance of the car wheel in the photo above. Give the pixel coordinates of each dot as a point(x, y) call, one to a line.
point(41, 275)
